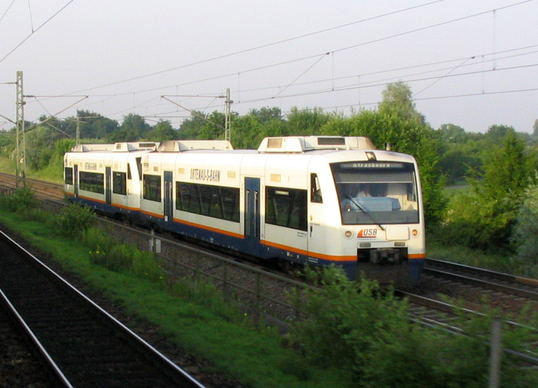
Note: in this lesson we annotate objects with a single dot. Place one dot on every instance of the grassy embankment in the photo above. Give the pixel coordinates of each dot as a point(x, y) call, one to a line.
point(201, 324)
point(50, 173)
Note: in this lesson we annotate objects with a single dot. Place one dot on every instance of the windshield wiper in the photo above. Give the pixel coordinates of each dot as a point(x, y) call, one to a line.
point(362, 209)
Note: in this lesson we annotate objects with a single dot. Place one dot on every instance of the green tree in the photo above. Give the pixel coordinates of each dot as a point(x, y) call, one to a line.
point(92, 125)
point(133, 128)
point(305, 122)
point(266, 114)
point(484, 218)
point(39, 146)
point(452, 133)
point(191, 127)
point(162, 131)
point(213, 127)
point(398, 100)
point(526, 230)
point(497, 133)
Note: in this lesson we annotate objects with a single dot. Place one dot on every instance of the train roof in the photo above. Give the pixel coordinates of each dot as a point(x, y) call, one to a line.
point(282, 144)
point(341, 147)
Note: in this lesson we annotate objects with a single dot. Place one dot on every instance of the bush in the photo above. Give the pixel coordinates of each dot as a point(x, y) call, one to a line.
point(206, 294)
point(145, 265)
point(21, 199)
point(118, 258)
point(526, 231)
point(96, 239)
point(73, 220)
point(104, 251)
point(358, 327)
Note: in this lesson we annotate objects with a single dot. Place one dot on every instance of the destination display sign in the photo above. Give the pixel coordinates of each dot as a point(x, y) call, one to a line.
point(205, 174)
point(372, 165)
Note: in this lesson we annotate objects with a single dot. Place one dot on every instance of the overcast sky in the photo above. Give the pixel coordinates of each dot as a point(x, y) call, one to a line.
point(473, 71)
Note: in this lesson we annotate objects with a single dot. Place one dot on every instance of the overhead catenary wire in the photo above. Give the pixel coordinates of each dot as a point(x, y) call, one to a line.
point(300, 75)
point(443, 76)
point(369, 85)
point(462, 95)
point(31, 16)
point(297, 83)
point(6, 11)
point(362, 75)
point(354, 87)
point(262, 46)
point(35, 30)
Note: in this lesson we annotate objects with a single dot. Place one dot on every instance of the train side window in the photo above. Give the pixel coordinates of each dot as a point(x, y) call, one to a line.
point(119, 183)
point(139, 167)
point(68, 175)
point(129, 176)
point(152, 187)
point(286, 207)
point(187, 198)
point(315, 189)
point(212, 201)
point(92, 181)
point(229, 198)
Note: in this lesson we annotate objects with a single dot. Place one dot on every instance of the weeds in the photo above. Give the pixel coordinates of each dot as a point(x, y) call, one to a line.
point(73, 220)
point(21, 199)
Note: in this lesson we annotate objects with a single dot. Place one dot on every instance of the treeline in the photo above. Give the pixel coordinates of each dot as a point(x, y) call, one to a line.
point(499, 166)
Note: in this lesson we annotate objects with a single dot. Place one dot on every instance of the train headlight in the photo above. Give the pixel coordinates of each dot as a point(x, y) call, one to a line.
point(348, 234)
point(414, 232)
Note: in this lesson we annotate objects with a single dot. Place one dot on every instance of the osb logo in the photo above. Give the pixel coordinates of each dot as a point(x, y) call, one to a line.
point(367, 233)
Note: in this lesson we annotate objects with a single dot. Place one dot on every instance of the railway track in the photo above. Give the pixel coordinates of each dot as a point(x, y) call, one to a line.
point(436, 314)
point(87, 346)
point(43, 189)
point(481, 278)
point(20, 364)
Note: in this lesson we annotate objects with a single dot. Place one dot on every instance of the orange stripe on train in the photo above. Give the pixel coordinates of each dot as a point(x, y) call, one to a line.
point(306, 253)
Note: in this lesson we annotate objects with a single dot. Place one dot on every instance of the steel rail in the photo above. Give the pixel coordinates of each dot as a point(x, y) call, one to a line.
point(529, 294)
point(140, 341)
point(4, 300)
point(444, 307)
point(486, 272)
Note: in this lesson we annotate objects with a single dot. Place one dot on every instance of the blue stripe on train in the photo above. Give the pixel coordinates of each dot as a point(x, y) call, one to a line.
point(238, 244)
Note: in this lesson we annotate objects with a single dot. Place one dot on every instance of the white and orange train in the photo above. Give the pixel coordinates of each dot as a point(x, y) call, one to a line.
point(316, 200)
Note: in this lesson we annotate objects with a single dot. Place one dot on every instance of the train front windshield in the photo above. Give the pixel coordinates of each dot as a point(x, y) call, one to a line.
point(376, 192)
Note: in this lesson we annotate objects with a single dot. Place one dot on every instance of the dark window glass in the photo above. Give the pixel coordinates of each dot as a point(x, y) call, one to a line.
point(129, 171)
point(119, 183)
point(139, 167)
point(152, 187)
point(376, 192)
point(92, 181)
point(285, 207)
point(212, 201)
point(331, 141)
point(68, 173)
point(315, 189)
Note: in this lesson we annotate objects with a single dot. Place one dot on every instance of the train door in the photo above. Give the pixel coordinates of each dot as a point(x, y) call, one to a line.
point(75, 176)
point(317, 233)
point(252, 214)
point(168, 196)
point(108, 185)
